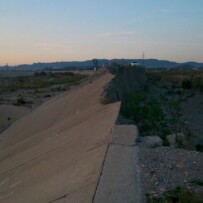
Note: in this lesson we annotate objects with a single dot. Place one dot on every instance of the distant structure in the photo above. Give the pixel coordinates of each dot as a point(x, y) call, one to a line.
point(95, 64)
point(143, 58)
point(134, 63)
point(6, 66)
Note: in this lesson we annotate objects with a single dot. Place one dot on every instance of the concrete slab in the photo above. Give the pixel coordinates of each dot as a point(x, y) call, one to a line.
point(124, 134)
point(120, 179)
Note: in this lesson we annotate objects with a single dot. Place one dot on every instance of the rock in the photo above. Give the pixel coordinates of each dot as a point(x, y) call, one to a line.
point(152, 141)
point(172, 139)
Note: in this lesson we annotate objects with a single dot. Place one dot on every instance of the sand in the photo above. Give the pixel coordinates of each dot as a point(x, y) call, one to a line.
point(56, 152)
point(9, 114)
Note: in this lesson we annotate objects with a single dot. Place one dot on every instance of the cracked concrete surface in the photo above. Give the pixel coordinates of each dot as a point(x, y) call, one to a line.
point(120, 178)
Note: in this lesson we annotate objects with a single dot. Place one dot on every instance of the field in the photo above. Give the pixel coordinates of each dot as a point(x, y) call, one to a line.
point(28, 88)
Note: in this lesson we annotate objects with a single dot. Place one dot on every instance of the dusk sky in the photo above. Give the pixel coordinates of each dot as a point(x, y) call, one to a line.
point(66, 30)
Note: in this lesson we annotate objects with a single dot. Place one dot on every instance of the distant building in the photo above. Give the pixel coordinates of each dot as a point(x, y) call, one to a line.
point(134, 63)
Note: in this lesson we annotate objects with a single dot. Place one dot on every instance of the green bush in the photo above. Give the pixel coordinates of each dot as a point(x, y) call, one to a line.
point(147, 114)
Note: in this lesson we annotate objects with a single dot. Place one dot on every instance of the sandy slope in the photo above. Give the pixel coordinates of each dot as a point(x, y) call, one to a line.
point(55, 153)
point(10, 113)
point(14, 112)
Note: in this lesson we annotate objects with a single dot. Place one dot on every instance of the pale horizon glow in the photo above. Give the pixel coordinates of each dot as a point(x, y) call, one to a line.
point(76, 30)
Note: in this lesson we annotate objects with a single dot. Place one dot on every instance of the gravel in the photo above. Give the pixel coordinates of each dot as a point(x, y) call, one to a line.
point(165, 168)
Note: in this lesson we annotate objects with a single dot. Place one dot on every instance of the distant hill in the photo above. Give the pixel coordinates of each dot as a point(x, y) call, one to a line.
point(185, 66)
point(148, 63)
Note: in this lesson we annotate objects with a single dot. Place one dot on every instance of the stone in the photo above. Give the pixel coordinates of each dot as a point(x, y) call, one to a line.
point(172, 139)
point(152, 141)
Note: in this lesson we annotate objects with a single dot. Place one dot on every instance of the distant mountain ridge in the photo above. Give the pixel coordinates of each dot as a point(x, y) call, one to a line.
point(88, 64)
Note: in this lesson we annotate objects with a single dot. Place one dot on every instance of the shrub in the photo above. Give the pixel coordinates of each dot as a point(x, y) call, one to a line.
point(36, 74)
point(199, 148)
point(20, 101)
point(147, 114)
point(186, 84)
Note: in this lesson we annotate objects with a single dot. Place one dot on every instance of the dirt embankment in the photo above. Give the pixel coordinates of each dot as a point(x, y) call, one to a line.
point(9, 114)
point(56, 152)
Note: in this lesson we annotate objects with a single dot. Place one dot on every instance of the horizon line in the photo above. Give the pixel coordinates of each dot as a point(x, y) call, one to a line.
point(7, 64)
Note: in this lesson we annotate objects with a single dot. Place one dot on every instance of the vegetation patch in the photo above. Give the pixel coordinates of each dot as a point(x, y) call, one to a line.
point(39, 80)
point(156, 109)
point(36, 86)
point(197, 182)
point(177, 195)
point(147, 113)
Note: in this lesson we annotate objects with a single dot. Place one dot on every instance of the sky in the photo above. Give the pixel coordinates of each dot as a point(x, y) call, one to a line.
point(75, 30)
